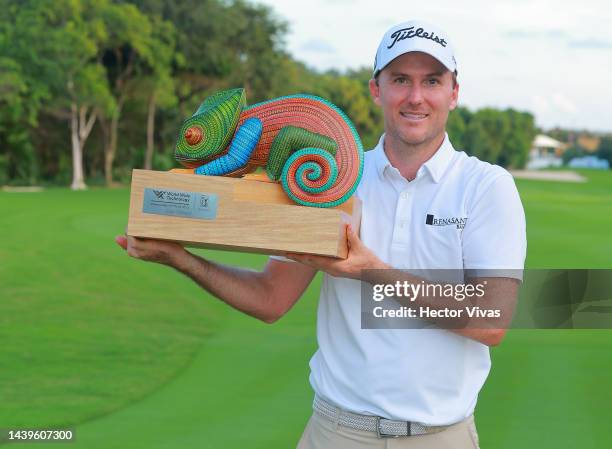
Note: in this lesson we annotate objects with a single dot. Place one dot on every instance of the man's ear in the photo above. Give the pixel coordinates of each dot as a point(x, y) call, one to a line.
point(455, 97)
point(375, 91)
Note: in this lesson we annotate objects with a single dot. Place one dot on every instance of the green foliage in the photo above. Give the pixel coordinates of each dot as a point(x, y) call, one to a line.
point(517, 143)
point(605, 149)
point(496, 136)
point(3, 169)
point(20, 101)
point(457, 124)
point(14, 142)
point(131, 59)
point(12, 90)
point(163, 161)
point(571, 153)
point(354, 98)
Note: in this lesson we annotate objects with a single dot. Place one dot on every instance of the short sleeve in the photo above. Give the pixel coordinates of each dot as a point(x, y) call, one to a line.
point(494, 237)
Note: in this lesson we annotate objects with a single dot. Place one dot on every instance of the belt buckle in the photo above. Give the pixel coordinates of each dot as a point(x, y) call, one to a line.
point(387, 435)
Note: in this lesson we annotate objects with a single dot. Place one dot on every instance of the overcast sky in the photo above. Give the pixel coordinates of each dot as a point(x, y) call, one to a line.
point(550, 57)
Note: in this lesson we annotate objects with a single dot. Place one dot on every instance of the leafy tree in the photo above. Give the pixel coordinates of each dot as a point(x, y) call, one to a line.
point(218, 45)
point(54, 42)
point(456, 126)
point(128, 48)
point(159, 82)
point(485, 132)
point(500, 137)
point(571, 153)
point(255, 48)
point(14, 136)
point(517, 143)
point(124, 74)
point(21, 98)
point(477, 140)
point(604, 151)
point(82, 88)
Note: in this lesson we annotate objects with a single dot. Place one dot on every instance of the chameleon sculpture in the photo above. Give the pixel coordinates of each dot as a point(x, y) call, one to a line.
point(303, 141)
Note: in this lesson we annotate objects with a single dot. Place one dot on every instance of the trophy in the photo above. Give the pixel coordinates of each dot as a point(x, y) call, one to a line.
point(274, 177)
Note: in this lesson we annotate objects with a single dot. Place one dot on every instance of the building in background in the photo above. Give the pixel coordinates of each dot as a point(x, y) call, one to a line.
point(545, 152)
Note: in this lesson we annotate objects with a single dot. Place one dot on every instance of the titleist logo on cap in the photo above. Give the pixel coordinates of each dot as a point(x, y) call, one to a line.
point(410, 32)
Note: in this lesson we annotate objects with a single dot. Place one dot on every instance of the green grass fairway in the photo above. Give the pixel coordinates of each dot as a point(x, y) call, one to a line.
point(569, 225)
point(132, 355)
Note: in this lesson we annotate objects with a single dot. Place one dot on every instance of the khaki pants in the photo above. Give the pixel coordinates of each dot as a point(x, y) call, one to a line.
point(323, 433)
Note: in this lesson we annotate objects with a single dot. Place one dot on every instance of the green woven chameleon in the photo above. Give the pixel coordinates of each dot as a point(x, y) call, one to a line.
point(303, 141)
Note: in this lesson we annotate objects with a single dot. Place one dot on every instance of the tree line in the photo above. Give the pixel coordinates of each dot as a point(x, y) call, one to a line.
point(90, 89)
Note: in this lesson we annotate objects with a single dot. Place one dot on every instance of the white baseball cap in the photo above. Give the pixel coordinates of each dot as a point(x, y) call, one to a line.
point(414, 35)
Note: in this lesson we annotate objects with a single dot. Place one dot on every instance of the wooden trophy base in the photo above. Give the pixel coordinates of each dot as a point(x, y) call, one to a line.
point(241, 214)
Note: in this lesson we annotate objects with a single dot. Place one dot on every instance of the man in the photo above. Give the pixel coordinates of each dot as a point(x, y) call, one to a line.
point(420, 386)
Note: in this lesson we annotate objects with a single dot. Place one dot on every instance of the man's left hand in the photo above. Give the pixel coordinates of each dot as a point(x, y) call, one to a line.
point(359, 258)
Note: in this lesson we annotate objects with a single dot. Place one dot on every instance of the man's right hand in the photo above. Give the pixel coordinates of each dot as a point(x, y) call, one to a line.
point(266, 295)
point(159, 251)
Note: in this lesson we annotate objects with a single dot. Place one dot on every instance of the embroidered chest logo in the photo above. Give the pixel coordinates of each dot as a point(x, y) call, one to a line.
point(458, 221)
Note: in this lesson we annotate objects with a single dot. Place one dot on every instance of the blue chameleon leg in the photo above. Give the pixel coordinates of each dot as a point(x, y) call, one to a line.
point(243, 144)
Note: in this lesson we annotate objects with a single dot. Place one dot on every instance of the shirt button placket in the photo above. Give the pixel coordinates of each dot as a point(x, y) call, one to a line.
point(402, 218)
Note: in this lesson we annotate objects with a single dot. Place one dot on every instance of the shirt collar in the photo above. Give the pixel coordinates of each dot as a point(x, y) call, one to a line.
point(435, 165)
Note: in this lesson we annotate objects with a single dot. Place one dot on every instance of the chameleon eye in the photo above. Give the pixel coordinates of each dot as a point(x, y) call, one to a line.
point(194, 135)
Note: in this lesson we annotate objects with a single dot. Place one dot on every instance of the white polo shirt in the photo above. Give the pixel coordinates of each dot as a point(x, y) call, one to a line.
point(431, 376)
